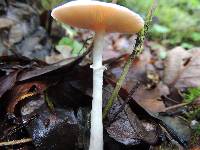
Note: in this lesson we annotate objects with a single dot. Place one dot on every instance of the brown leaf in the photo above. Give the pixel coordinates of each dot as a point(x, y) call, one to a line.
point(153, 105)
point(21, 92)
point(182, 68)
point(136, 73)
point(190, 76)
point(149, 99)
point(53, 68)
point(5, 23)
point(126, 128)
point(195, 148)
point(7, 82)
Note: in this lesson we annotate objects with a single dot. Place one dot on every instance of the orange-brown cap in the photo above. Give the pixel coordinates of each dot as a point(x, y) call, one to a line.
point(95, 15)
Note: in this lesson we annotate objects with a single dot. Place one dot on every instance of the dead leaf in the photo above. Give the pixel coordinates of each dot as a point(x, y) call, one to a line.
point(21, 92)
point(182, 68)
point(109, 54)
point(195, 148)
point(122, 131)
point(62, 65)
point(143, 113)
point(5, 23)
point(121, 44)
point(150, 99)
point(125, 126)
point(190, 76)
point(128, 129)
point(153, 105)
point(64, 53)
point(7, 82)
point(60, 128)
point(174, 63)
point(136, 73)
point(44, 70)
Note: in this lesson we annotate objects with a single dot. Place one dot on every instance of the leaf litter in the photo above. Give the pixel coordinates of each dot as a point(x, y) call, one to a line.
point(68, 85)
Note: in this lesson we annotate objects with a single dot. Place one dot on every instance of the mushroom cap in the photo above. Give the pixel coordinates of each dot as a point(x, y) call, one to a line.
point(97, 16)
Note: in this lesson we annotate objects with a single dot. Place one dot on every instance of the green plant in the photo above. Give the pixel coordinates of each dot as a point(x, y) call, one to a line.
point(197, 130)
point(66, 44)
point(176, 21)
point(195, 135)
point(49, 4)
point(193, 114)
point(192, 94)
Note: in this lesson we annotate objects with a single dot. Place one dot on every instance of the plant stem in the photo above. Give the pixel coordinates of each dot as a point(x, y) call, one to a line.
point(174, 107)
point(96, 132)
point(136, 52)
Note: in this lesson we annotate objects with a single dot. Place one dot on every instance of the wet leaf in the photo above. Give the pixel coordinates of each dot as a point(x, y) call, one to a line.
point(22, 92)
point(54, 130)
point(129, 130)
point(121, 129)
point(179, 127)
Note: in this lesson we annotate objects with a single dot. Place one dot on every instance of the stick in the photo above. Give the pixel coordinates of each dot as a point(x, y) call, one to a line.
point(15, 142)
point(175, 106)
point(136, 52)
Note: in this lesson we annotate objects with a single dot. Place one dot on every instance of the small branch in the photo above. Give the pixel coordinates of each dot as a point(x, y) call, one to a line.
point(175, 106)
point(15, 142)
point(136, 52)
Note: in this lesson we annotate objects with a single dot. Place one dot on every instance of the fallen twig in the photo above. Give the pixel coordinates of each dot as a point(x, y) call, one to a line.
point(15, 142)
point(136, 52)
point(175, 106)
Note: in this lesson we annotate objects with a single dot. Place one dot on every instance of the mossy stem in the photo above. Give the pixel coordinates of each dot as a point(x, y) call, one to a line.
point(136, 52)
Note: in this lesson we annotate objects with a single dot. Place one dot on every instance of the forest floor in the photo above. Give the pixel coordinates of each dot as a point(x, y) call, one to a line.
point(46, 88)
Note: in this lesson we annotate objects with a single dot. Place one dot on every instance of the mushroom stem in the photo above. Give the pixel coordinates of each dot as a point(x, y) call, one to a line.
point(96, 132)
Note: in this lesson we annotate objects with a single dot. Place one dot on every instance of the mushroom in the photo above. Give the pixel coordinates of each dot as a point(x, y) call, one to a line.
point(102, 18)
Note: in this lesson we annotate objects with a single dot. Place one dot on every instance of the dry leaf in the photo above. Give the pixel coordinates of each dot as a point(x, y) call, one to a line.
point(183, 68)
